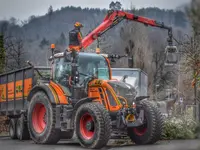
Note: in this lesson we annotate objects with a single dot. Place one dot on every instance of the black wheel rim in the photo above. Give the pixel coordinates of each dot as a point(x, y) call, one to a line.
point(11, 130)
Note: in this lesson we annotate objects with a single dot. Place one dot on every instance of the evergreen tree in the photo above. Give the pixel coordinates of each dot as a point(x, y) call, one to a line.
point(115, 5)
point(180, 19)
point(44, 43)
point(112, 5)
point(62, 40)
point(50, 10)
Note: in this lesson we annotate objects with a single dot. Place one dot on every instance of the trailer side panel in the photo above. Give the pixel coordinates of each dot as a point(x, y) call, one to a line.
point(14, 89)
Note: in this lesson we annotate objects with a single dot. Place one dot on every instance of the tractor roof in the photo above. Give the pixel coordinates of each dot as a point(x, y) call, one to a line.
point(58, 55)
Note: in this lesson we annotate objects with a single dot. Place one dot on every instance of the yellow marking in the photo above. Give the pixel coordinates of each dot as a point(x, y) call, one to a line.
point(54, 94)
point(130, 117)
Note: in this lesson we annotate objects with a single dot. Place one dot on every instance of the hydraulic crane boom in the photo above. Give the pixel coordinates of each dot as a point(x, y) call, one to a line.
point(115, 17)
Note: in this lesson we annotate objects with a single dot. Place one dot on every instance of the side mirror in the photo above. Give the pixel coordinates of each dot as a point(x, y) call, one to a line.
point(130, 62)
point(171, 55)
point(124, 78)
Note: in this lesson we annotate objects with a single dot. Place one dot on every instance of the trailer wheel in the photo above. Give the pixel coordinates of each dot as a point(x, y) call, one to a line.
point(92, 125)
point(22, 129)
point(12, 129)
point(148, 132)
point(42, 120)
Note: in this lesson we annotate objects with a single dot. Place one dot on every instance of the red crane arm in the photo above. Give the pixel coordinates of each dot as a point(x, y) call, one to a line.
point(115, 17)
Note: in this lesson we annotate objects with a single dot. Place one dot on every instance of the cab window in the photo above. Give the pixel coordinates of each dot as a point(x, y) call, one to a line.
point(61, 71)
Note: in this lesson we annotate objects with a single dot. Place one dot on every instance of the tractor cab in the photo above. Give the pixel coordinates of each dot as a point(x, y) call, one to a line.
point(89, 66)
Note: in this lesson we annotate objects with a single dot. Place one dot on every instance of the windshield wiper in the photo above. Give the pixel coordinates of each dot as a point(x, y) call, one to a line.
point(124, 78)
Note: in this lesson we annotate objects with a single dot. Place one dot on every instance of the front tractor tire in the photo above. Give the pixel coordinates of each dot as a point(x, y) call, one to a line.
point(92, 125)
point(151, 131)
point(42, 120)
point(159, 125)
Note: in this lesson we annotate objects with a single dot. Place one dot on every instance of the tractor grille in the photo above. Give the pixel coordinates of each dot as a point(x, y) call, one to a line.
point(111, 98)
point(124, 90)
point(102, 96)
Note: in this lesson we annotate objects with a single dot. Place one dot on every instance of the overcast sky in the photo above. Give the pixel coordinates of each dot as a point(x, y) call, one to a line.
point(22, 9)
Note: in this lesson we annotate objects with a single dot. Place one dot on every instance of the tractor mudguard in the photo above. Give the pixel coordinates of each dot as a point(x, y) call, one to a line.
point(45, 88)
point(84, 100)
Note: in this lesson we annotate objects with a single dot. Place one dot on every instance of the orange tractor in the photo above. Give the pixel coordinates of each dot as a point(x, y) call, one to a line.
point(80, 98)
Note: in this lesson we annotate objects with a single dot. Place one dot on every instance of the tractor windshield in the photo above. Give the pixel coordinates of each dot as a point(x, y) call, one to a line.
point(89, 64)
point(93, 65)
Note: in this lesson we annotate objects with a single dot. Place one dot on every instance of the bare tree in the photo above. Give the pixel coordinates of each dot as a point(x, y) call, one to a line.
point(161, 75)
point(191, 67)
point(191, 49)
point(104, 44)
point(15, 53)
point(191, 46)
point(134, 37)
point(135, 42)
point(2, 54)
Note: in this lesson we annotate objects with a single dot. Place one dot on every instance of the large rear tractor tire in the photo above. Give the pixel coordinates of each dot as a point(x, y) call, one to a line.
point(151, 131)
point(92, 125)
point(12, 128)
point(42, 120)
point(22, 129)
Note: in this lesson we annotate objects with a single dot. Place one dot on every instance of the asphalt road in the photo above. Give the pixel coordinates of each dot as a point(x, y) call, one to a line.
point(7, 144)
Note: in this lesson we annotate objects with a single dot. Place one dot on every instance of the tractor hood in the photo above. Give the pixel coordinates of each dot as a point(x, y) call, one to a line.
point(124, 90)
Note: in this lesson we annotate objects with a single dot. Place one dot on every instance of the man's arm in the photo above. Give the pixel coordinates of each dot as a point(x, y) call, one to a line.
point(80, 38)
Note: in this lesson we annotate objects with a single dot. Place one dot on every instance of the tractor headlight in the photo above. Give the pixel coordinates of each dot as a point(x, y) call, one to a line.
point(134, 105)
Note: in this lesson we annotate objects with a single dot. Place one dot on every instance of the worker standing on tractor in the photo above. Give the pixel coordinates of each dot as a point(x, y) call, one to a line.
point(75, 37)
point(75, 46)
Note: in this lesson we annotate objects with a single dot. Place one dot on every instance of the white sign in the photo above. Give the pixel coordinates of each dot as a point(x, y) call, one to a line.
point(181, 99)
